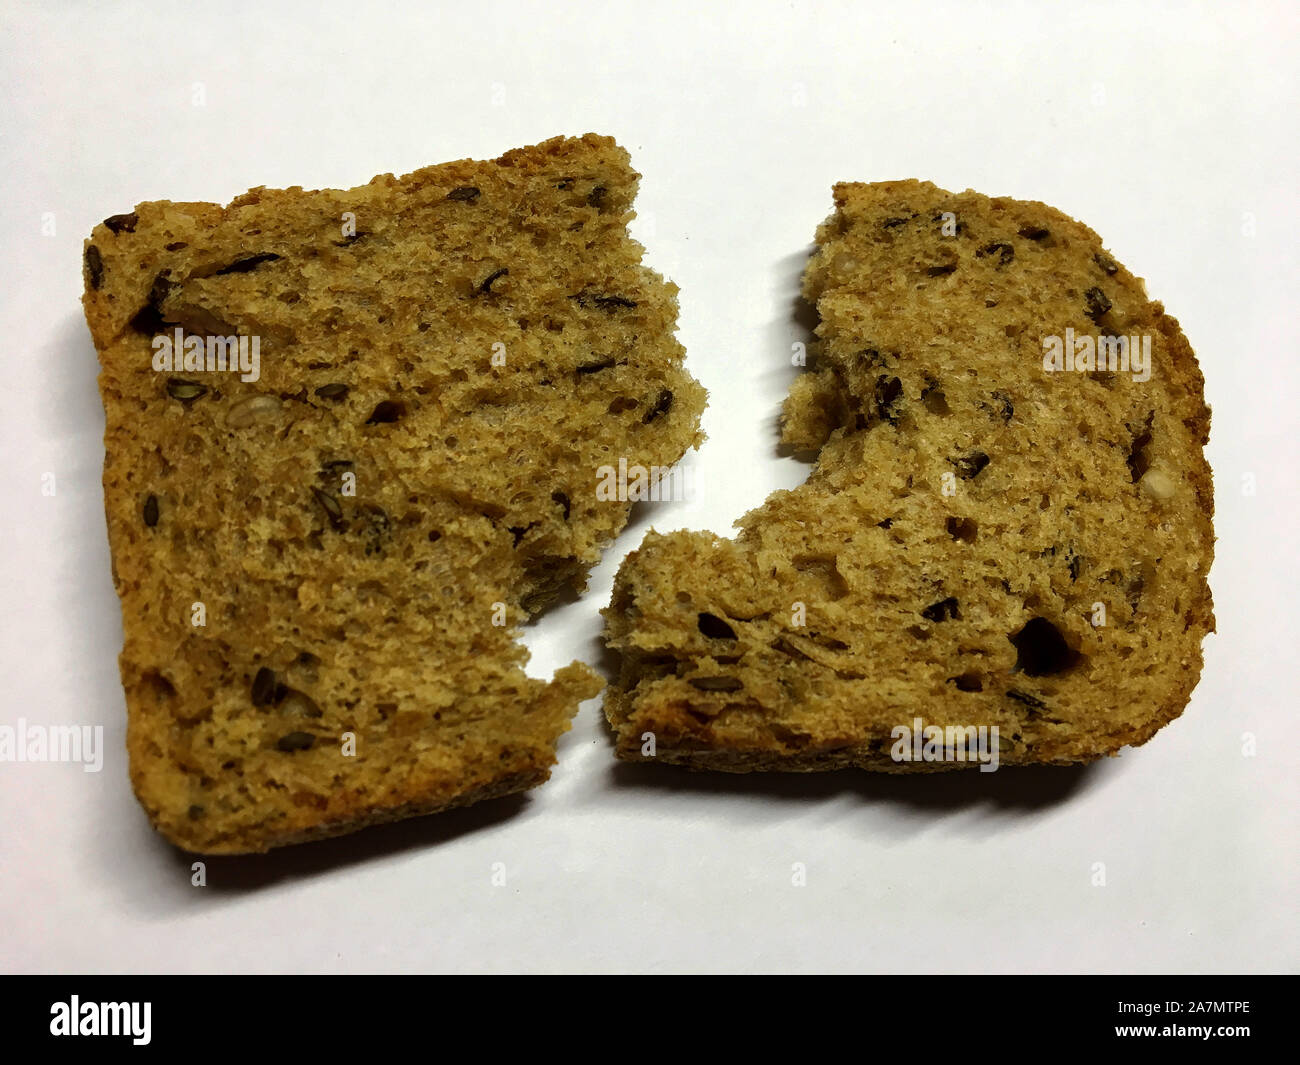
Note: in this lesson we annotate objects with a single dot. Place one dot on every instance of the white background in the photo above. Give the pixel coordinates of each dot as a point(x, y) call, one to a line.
point(1167, 128)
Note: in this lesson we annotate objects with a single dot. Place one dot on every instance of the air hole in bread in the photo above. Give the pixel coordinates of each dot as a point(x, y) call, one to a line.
point(966, 530)
point(933, 399)
point(825, 569)
point(715, 628)
point(387, 411)
point(159, 685)
point(1041, 650)
point(1139, 460)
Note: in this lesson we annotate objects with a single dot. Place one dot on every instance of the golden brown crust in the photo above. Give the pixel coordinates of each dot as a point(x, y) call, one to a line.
point(323, 563)
point(242, 843)
point(969, 514)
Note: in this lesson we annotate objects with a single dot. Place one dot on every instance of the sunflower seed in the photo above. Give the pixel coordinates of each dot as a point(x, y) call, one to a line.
point(255, 410)
point(94, 266)
point(122, 223)
point(186, 391)
point(295, 741)
point(263, 686)
point(331, 506)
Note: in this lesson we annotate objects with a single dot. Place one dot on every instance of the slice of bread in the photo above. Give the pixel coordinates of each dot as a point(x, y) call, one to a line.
point(984, 541)
point(323, 561)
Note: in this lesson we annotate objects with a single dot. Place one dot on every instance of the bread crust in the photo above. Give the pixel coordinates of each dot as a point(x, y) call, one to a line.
point(932, 308)
point(367, 517)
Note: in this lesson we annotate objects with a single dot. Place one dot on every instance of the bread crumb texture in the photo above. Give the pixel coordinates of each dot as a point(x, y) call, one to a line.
point(984, 539)
point(323, 565)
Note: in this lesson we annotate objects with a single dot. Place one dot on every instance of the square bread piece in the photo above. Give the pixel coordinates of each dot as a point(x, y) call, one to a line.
point(323, 559)
point(984, 541)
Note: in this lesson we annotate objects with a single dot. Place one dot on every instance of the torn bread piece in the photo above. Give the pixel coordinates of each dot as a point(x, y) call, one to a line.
point(1000, 556)
point(352, 442)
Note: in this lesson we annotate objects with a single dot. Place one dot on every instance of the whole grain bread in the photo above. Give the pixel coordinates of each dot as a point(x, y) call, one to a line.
point(987, 539)
point(323, 563)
